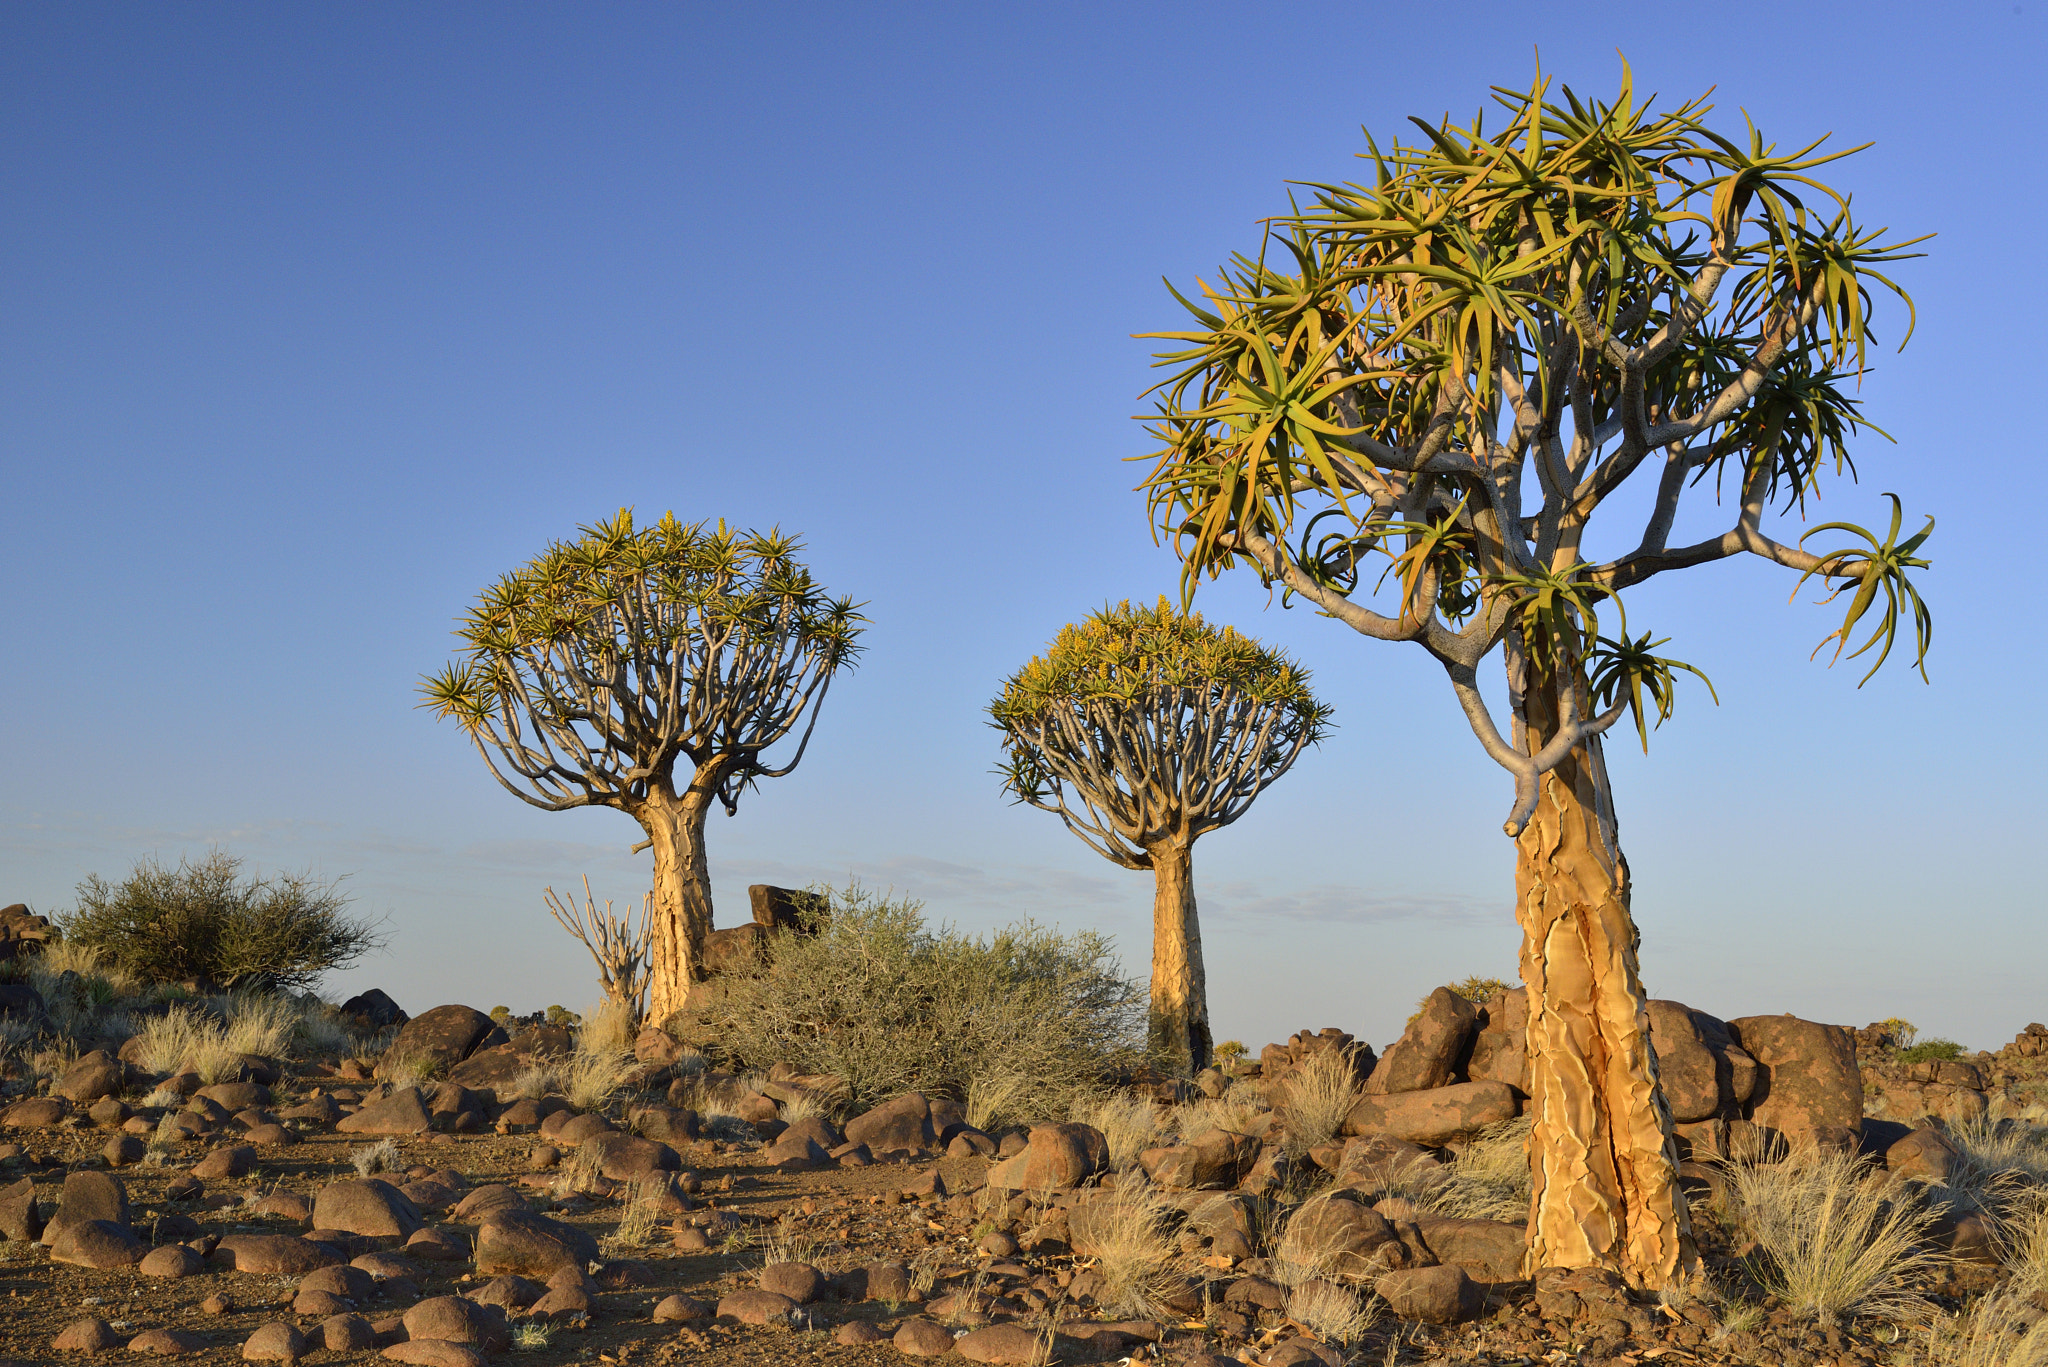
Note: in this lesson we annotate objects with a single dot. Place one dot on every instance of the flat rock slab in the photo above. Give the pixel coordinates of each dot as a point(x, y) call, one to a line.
point(97, 1243)
point(434, 1353)
point(1004, 1343)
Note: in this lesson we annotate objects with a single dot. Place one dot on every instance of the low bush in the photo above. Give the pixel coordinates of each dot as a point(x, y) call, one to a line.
point(1320, 1091)
point(878, 998)
point(1928, 1050)
point(207, 922)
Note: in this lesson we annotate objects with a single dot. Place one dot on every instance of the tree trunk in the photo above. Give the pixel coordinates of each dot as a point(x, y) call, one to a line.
point(1603, 1163)
point(682, 896)
point(1178, 1031)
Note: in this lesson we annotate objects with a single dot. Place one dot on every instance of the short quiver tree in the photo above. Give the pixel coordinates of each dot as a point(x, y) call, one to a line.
point(1142, 729)
point(593, 670)
point(1459, 365)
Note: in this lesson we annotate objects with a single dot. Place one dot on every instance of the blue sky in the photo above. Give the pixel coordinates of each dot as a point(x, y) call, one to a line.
point(318, 318)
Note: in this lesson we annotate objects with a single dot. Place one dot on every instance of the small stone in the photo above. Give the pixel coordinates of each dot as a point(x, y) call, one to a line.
point(217, 1304)
point(124, 1150)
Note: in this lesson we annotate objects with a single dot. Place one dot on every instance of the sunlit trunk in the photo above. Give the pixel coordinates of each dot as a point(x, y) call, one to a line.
point(1603, 1164)
point(1178, 1032)
point(682, 897)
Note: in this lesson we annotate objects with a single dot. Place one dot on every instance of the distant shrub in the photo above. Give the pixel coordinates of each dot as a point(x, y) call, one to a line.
point(1929, 1049)
point(205, 921)
point(889, 1004)
point(1229, 1052)
point(1901, 1031)
point(1477, 989)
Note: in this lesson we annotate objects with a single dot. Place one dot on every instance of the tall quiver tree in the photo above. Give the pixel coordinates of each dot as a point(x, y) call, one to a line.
point(1458, 366)
point(592, 671)
point(1142, 729)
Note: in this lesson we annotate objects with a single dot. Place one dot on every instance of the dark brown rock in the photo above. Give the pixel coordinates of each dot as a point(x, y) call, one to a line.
point(1217, 1160)
point(920, 1338)
point(1348, 1236)
point(403, 1112)
point(367, 1206)
point(93, 1077)
point(169, 1343)
point(1490, 1251)
point(434, 1353)
point(275, 1342)
point(1500, 1051)
point(1808, 1087)
point(623, 1157)
point(273, 1255)
point(226, 1164)
point(96, 1243)
point(484, 1202)
point(1000, 1343)
point(530, 1245)
point(900, 1125)
point(682, 1310)
point(454, 1319)
point(1926, 1154)
point(88, 1196)
point(20, 1216)
point(445, 1035)
point(1434, 1295)
point(171, 1262)
point(348, 1333)
point(1431, 1051)
point(89, 1335)
point(36, 1113)
point(1434, 1117)
point(1055, 1156)
point(236, 1096)
point(752, 1306)
point(801, 1282)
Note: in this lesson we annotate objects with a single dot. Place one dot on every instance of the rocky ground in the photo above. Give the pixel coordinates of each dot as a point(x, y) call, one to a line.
point(308, 1209)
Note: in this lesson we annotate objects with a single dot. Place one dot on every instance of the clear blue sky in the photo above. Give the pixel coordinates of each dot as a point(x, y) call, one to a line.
point(318, 317)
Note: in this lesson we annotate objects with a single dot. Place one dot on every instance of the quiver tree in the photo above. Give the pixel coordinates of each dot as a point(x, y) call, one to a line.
point(593, 670)
point(1142, 729)
point(1459, 366)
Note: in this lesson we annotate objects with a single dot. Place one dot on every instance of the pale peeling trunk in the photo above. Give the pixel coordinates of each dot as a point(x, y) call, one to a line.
point(1179, 1024)
point(682, 897)
point(1603, 1163)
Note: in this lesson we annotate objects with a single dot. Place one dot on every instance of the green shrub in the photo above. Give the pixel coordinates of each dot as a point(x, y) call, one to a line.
point(1934, 1047)
point(206, 922)
point(884, 1002)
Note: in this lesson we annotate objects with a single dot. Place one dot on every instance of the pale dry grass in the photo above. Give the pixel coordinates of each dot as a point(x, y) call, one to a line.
point(1488, 1181)
point(640, 1212)
point(182, 1036)
point(589, 1079)
point(382, 1156)
point(1132, 1246)
point(1306, 1247)
point(608, 1028)
point(409, 1070)
point(1333, 1313)
point(1834, 1237)
point(993, 1097)
point(1320, 1092)
point(531, 1335)
point(2003, 1329)
point(804, 1106)
point(582, 1173)
point(1128, 1123)
point(1234, 1111)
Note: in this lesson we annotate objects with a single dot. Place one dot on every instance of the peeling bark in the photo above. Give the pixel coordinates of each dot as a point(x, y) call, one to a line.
point(682, 894)
point(1603, 1163)
point(1179, 1024)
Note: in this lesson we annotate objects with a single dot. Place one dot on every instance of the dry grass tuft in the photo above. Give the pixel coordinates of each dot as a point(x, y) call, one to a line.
point(1128, 1123)
point(2003, 1329)
point(1135, 1254)
point(382, 1156)
point(1834, 1237)
point(1331, 1312)
point(530, 1336)
point(993, 1098)
point(1320, 1092)
point(582, 1173)
point(1234, 1111)
point(410, 1070)
point(641, 1212)
point(1488, 1181)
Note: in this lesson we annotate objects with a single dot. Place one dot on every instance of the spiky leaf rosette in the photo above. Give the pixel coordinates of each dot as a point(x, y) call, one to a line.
point(1459, 361)
point(591, 669)
point(1143, 723)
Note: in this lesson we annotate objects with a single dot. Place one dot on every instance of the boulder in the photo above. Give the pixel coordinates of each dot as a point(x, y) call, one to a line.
point(88, 1196)
point(1055, 1156)
point(1698, 1062)
point(886, 1282)
point(172, 1262)
point(681, 1310)
point(453, 1319)
point(94, 1076)
point(1216, 1161)
point(342, 1280)
point(752, 1306)
point(273, 1255)
point(900, 1125)
point(20, 1216)
point(1434, 1295)
point(530, 1245)
point(624, 1157)
point(735, 951)
point(1500, 1051)
point(1808, 1087)
point(857, 1334)
point(236, 1096)
point(403, 1112)
point(89, 1335)
point(444, 1036)
point(372, 1011)
point(1926, 1154)
point(1377, 1160)
point(1432, 1051)
point(1434, 1117)
point(1490, 1251)
point(368, 1206)
point(801, 1282)
point(669, 1124)
point(483, 1204)
point(169, 1343)
point(920, 1338)
point(226, 1164)
point(96, 1243)
point(1004, 1343)
point(1341, 1234)
point(275, 1342)
point(35, 1113)
point(434, 1353)
point(349, 1333)
point(786, 908)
